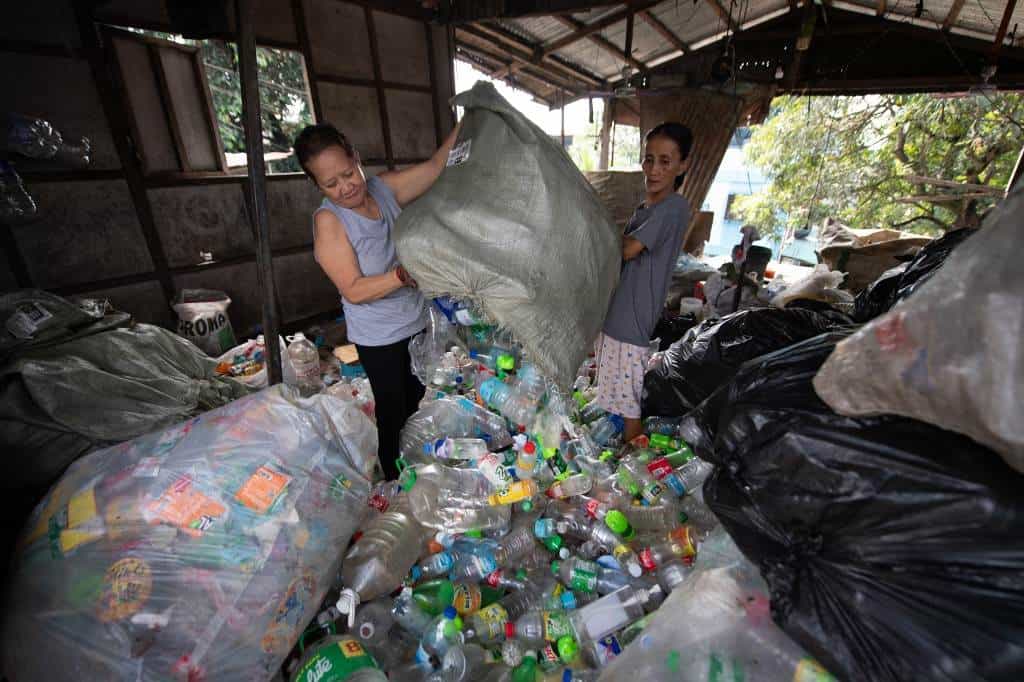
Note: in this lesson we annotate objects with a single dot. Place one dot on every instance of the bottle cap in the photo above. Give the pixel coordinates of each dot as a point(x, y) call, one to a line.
point(554, 543)
point(416, 573)
point(568, 600)
point(510, 630)
point(617, 521)
point(527, 505)
point(568, 649)
point(521, 574)
point(473, 533)
point(450, 613)
point(529, 448)
point(554, 566)
point(506, 362)
point(550, 452)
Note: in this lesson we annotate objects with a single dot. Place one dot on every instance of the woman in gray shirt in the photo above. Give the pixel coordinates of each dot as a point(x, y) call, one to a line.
point(352, 242)
point(650, 246)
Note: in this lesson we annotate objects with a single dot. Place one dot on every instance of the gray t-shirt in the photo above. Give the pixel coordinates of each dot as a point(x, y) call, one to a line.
point(638, 301)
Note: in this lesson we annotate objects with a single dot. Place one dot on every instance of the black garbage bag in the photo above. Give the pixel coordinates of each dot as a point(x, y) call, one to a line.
point(892, 548)
point(709, 354)
point(898, 283)
point(671, 328)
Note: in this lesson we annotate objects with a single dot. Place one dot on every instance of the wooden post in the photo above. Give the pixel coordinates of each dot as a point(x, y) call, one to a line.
point(611, 161)
point(606, 131)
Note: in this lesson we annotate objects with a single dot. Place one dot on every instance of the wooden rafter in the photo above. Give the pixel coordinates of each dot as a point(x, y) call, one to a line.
point(586, 30)
point(724, 15)
point(466, 54)
point(526, 53)
point(665, 32)
point(528, 70)
point(952, 15)
point(883, 6)
point(997, 44)
point(605, 44)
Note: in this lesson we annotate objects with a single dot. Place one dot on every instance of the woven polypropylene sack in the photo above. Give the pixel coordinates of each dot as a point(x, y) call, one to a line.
point(512, 225)
point(951, 354)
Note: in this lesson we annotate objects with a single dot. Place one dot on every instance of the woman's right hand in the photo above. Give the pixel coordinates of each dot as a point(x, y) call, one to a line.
point(404, 277)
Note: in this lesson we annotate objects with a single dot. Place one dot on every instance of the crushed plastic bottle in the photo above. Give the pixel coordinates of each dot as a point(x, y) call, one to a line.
point(306, 361)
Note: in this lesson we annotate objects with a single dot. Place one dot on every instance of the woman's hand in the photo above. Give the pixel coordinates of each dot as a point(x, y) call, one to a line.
point(404, 277)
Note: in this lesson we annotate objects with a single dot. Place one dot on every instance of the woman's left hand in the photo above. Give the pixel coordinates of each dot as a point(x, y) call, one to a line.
point(406, 279)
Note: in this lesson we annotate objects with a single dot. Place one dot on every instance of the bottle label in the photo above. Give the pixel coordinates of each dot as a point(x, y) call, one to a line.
point(493, 618)
point(520, 490)
point(467, 598)
point(556, 625)
point(660, 468)
point(335, 662)
point(583, 580)
point(621, 552)
point(809, 670)
point(494, 579)
point(262, 489)
point(592, 507)
point(653, 492)
point(646, 560)
point(606, 650)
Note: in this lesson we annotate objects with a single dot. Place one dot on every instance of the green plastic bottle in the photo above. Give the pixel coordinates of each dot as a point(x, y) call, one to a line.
point(434, 595)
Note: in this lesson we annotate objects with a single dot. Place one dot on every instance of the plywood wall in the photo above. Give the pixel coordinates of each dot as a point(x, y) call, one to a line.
point(116, 231)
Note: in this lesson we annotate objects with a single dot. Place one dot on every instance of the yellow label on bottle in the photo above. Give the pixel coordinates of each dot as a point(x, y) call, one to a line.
point(518, 491)
point(467, 598)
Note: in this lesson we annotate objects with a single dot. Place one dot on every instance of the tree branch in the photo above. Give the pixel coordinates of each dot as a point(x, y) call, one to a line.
point(933, 219)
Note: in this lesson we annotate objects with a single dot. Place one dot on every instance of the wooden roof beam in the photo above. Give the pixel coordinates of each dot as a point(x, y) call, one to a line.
point(952, 15)
point(724, 15)
point(605, 44)
point(882, 8)
point(665, 32)
point(530, 54)
point(479, 63)
point(527, 69)
point(586, 30)
point(997, 45)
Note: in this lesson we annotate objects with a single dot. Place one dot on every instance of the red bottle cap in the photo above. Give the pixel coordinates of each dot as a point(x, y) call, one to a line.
point(510, 630)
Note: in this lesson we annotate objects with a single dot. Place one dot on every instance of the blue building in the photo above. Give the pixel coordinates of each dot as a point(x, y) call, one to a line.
point(736, 178)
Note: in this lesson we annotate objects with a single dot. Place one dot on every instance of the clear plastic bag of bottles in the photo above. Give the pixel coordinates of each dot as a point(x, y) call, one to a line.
point(199, 551)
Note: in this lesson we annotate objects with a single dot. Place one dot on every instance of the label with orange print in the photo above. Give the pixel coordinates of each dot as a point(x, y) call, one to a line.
point(262, 489)
point(467, 598)
point(183, 506)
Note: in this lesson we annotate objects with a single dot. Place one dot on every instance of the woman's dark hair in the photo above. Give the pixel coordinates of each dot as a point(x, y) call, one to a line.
point(678, 133)
point(316, 138)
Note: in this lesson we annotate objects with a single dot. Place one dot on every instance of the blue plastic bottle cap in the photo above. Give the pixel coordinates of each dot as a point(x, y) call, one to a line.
point(416, 572)
point(450, 612)
point(568, 600)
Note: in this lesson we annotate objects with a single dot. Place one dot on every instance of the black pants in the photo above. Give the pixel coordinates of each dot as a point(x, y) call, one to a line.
point(397, 394)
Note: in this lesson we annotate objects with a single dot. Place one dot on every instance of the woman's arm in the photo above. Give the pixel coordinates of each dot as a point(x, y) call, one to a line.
point(410, 183)
point(338, 259)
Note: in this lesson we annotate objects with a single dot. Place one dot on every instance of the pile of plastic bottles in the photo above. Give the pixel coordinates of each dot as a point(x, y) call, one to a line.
point(523, 541)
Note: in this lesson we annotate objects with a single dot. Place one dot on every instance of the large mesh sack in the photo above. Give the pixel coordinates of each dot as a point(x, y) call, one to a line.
point(951, 354)
point(200, 551)
point(512, 225)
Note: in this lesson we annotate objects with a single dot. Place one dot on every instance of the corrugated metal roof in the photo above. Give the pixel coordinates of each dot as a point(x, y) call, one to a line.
point(697, 23)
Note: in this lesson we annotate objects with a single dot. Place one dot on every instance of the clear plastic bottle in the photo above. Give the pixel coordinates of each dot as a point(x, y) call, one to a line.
point(434, 565)
point(464, 663)
point(637, 480)
point(534, 628)
point(662, 517)
point(694, 473)
point(517, 492)
point(455, 500)
point(373, 626)
point(604, 430)
point(577, 484)
point(409, 614)
point(673, 573)
point(444, 632)
point(376, 564)
point(459, 449)
point(515, 545)
point(358, 664)
point(614, 611)
point(31, 137)
point(592, 412)
point(526, 459)
point(306, 361)
point(503, 398)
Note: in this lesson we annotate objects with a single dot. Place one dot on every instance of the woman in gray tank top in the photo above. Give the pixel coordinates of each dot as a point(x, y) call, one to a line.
point(352, 242)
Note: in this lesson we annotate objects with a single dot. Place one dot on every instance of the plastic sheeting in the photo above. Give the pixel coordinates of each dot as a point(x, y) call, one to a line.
point(512, 225)
point(891, 546)
point(951, 354)
point(197, 552)
point(714, 627)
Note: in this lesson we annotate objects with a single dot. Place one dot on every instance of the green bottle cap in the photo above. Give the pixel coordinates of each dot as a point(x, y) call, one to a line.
point(683, 517)
point(554, 566)
point(525, 671)
point(506, 362)
point(617, 521)
point(521, 574)
point(606, 455)
point(568, 649)
point(526, 505)
point(474, 533)
point(407, 479)
point(553, 543)
point(548, 453)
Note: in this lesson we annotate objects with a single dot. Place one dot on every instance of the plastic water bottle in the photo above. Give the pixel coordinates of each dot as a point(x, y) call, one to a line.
point(614, 611)
point(409, 615)
point(501, 397)
point(435, 565)
point(373, 626)
point(306, 361)
point(694, 473)
point(662, 517)
point(464, 663)
point(592, 412)
point(517, 492)
point(665, 426)
point(607, 428)
point(578, 484)
point(31, 137)
point(526, 458)
point(637, 481)
point(379, 560)
point(444, 632)
point(536, 627)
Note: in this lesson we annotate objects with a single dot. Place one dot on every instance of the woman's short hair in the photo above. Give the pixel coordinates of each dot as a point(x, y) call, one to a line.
point(316, 138)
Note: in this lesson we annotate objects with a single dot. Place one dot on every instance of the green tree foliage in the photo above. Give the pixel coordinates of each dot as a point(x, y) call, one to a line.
point(866, 161)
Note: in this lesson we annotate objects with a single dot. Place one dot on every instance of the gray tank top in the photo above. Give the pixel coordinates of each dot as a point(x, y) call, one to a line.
point(401, 313)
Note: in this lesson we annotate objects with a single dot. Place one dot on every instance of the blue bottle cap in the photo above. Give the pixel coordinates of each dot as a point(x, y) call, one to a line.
point(450, 612)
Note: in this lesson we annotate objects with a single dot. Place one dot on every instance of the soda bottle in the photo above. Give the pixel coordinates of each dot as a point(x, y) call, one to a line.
point(635, 479)
point(619, 524)
point(666, 443)
point(673, 573)
point(340, 658)
point(470, 597)
point(409, 615)
point(433, 595)
point(517, 492)
point(537, 627)
point(526, 459)
point(487, 625)
point(306, 361)
point(663, 470)
point(662, 517)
